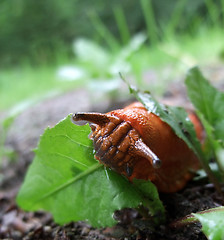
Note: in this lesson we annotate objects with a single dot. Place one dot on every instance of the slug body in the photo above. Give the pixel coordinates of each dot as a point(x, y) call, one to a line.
point(138, 144)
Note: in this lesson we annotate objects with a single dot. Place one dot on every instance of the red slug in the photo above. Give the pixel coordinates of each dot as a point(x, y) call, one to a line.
point(138, 144)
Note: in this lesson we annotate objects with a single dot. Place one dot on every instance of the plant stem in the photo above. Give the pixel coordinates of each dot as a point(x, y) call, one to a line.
point(212, 177)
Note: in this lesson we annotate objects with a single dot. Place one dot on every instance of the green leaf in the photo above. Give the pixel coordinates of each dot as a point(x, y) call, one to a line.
point(207, 100)
point(176, 117)
point(155, 206)
point(209, 104)
point(179, 121)
point(65, 180)
point(212, 222)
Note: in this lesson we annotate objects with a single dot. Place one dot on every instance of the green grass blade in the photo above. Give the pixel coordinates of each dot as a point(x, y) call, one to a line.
point(175, 18)
point(213, 11)
point(103, 31)
point(222, 11)
point(150, 21)
point(122, 24)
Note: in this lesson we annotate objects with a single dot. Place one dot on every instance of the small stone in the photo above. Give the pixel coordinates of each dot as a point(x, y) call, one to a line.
point(47, 229)
point(85, 231)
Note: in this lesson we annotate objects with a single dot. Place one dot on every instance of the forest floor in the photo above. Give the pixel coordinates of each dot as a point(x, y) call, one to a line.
point(23, 137)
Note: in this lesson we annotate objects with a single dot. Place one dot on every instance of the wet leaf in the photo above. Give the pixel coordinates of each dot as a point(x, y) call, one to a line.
point(212, 222)
point(209, 104)
point(176, 117)
point(207, 100)
point(67, 181)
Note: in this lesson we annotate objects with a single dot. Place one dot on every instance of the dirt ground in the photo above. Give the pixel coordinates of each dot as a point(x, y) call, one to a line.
point(23, 137)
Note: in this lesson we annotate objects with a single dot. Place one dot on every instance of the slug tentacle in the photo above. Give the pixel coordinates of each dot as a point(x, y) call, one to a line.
point(143, 150)
point(97, 118)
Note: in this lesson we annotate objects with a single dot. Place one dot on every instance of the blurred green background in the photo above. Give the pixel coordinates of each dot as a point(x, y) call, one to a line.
point(58, 45)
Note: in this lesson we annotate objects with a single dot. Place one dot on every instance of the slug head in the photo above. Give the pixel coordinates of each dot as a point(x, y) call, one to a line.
point(119, 146)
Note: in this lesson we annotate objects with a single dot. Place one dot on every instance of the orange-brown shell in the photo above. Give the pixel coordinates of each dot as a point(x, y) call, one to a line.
point(121, 135)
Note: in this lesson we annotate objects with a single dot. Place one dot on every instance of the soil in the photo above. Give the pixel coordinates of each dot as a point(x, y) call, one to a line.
point(23, 137)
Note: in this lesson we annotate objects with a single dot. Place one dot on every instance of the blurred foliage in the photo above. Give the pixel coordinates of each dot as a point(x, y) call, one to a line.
point(37, 30)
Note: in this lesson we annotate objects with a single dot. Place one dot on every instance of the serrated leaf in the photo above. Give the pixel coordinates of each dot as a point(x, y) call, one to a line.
point(176, 117)
point(150, 192)
point(209, 104)
point(207, 100)
point(212, 222)
point(178, 120)
point(65, 180)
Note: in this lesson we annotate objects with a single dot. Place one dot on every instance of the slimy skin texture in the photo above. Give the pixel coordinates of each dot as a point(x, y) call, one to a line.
point(138, 144)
